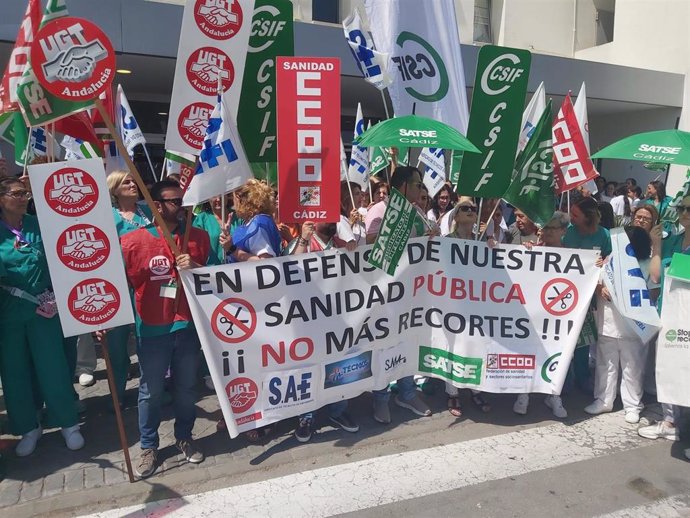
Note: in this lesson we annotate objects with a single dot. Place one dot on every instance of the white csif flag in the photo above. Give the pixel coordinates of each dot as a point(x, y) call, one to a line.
point(222, 165)
point(425, 64)
point(358, 171)
point(580, 108)
point(530, 116)
point(130, 131)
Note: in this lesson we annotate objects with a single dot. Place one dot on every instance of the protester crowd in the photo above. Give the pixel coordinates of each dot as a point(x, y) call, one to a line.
point(38, 366)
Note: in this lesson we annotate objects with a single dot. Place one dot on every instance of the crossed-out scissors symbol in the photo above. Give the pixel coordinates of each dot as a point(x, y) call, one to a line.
point(568, 295)
point(231, 324)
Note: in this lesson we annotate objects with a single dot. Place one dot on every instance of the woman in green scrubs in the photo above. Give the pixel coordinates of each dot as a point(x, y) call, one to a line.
point(33, 366)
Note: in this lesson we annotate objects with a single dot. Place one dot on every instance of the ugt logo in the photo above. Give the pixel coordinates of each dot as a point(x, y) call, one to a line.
point(69, 55)
point(218, 19)
point(418, 59)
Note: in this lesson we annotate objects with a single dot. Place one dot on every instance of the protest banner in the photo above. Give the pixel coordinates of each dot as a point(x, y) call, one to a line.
point(394, 232)
point(572, 165)
point(38, 105)
point(81, 245)
point(213, 46)
point(309, 162)
point(673, 344)
point(531, 189)
point(288, 335)
point(19, 57)
point(272, 35)
point(423, 45)
point(498, 100)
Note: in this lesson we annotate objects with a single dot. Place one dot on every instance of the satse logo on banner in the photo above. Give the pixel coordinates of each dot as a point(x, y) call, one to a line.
point(71, 192)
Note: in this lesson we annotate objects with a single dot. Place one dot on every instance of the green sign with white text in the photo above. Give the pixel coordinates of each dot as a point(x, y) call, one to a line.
point(498, 100)
point(394, 233)
point(449, 366)
point(271, 36)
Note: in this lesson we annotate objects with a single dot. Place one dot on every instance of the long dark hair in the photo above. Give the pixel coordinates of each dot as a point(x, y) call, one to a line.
point(623, 191)
point(434, 204)
point(640, 242)
point(660, 189)
point(607, 218)
point(590, 209)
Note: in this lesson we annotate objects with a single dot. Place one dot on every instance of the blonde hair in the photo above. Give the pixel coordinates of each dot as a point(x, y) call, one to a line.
point(254, 197)
point(114, 181)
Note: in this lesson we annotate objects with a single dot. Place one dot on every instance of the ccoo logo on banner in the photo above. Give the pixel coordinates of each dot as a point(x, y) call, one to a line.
point(81, 245)
point(213, 47)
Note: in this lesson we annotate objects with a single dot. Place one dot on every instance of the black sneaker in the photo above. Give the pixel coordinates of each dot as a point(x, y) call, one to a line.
point(304, 429)
point(190, 451)
point(345, 422)
point(148, 462)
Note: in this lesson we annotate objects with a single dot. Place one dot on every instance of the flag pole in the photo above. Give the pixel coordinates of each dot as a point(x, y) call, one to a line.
point(137, 177)
point(26, 151)
point(153, 171)
point(498, 202)
point(479, 218)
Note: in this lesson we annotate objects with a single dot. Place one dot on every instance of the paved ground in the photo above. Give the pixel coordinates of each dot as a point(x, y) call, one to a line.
point(63, 483)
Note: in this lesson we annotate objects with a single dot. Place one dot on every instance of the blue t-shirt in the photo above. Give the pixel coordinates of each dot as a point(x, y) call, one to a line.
point(600, 239)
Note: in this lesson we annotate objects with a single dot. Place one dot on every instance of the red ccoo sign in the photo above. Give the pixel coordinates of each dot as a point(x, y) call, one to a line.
point(308, 95)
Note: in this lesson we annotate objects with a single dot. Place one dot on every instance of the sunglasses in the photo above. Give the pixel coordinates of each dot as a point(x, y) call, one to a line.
point(467, 208)
point(683, 208)
point(174, 201)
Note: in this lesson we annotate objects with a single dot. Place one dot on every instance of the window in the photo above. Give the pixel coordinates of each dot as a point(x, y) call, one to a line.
point(482, 21)
point(325, 11)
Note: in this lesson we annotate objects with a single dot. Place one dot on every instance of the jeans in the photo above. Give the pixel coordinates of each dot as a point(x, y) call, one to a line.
point(407, 390)
point(180, 352)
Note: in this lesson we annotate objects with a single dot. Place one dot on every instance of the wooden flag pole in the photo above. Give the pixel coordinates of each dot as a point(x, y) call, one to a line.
point(137, 178)
point(116, 405)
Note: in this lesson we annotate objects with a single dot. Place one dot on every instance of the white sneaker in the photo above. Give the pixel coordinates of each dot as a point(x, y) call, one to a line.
point(73, 437)
point(658, 431)
point(521, 404)
point(556, 406)
point(632, 416)
point(28, 443)
point(597, 407)
point(86, 380)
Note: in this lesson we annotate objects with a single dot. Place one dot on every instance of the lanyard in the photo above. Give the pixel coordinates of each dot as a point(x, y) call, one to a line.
point(18, 233)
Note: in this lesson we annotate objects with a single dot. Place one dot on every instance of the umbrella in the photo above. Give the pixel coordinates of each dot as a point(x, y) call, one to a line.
point(414, 131)
point(661, 147)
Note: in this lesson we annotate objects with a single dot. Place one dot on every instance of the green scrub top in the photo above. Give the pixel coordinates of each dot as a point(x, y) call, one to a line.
point(207, 221)
point(601, 239)
point(142, 217)
point(25, 266)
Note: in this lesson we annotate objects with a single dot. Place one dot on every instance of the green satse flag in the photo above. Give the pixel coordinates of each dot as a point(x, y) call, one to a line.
point(531, 189)
point(378, 159)
point(38, 105)
point(21, 138)
point(455, 163)
point(272, 35)
point(7, 127)
point(394, 233)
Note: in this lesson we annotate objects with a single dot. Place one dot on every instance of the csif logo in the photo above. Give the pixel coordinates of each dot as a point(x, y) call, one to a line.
point(549, 367)
point(265, 28)
point(418, 60)
point(501, 73)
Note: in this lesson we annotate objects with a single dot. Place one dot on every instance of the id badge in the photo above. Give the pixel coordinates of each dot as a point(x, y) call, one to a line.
point(169, 291)
point(47, 307)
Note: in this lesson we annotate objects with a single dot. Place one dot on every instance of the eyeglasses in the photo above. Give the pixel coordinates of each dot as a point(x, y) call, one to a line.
point(645, 219)
point(683, 208)
point(174, 201)
point(18, 195)
point(467, 208)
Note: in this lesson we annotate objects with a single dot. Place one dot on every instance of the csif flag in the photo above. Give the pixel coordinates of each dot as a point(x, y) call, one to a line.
point(372, 64)
point(130, 131)
point(572, 165)
point(222, 165)
point(358, 170)
point(531, 189)
point(19, 57)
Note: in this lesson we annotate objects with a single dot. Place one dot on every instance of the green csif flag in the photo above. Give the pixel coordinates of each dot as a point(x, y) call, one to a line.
point(272, 35)
point(498, 100)
point(531, 189)
point(394, 233)
point(38, 105)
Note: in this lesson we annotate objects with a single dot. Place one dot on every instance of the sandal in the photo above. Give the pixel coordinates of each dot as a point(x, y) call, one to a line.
point(454, 406)
point(480, 402)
